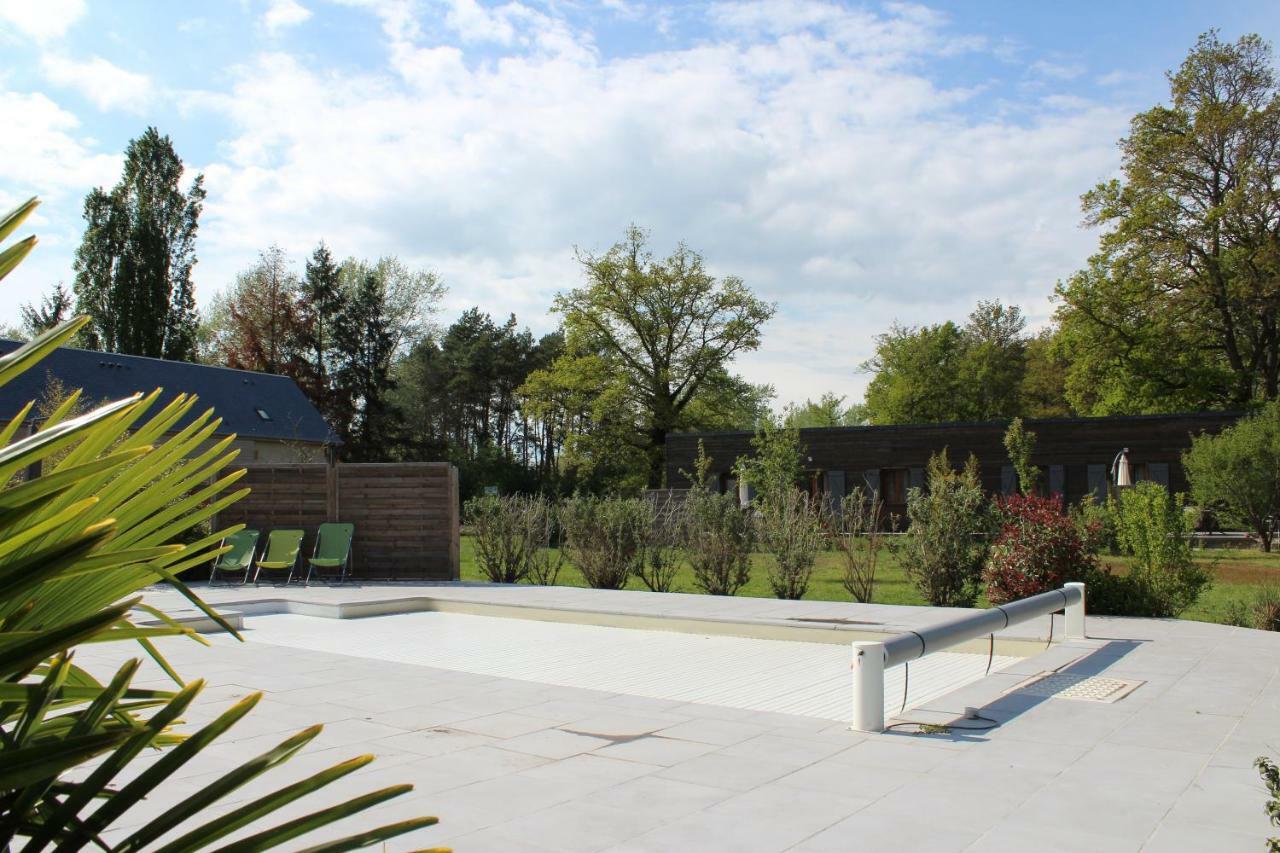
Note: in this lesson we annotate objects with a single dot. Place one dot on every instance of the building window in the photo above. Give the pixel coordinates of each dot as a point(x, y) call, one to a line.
point(893, 485)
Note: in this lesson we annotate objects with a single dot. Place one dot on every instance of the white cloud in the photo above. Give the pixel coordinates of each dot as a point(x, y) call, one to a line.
point(803, 146)
point(41, 150)
point(43, 153)
point(41, 19)
point(1059, 71)
point(108, 86)
point(282, 14)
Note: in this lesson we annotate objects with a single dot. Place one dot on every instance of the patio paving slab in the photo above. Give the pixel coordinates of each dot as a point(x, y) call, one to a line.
point(518, 765)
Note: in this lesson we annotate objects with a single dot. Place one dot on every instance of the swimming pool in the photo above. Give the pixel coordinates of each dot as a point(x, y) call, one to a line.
point(784, 676)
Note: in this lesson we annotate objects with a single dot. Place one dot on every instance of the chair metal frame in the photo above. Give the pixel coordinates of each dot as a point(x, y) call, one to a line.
point(292, 568)
point(346, 559)
point(253, 554)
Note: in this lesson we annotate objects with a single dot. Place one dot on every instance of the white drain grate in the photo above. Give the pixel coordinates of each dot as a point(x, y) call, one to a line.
point(1085, 688)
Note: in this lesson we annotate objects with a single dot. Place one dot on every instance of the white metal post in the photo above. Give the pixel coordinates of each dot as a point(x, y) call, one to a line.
point(1075, 615)
point(868, 687)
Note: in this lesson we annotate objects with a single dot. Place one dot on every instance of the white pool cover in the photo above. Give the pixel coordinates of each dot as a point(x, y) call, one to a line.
point(809, 679)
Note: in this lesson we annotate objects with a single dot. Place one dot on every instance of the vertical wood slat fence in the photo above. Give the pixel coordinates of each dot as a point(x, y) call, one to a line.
point(406, 514)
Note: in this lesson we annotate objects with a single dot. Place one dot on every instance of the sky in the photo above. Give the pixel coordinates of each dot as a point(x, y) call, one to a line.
point(857, 164)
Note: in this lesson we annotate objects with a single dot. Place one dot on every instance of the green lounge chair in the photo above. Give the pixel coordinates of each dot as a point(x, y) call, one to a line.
point(332, 550)
point(239, 560)
point(281, 553)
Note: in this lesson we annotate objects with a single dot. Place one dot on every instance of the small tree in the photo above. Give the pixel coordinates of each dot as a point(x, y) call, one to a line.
point(606, 537)
point(1039, 548)
point(716, 534)
point(1020, 444)
point(947, 547)
point(1236, 474)
point(1163, 578)
point(856, 535)
point(774, 467)
point(790, 529)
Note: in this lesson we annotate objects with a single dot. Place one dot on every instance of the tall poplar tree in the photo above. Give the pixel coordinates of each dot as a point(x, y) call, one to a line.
point(133, 267)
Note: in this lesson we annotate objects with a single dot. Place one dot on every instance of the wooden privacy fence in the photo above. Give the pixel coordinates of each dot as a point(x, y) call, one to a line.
point(405, 513)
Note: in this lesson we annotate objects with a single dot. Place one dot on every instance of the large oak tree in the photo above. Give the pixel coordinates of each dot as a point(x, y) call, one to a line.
point(1181, 306)
point(651, 336)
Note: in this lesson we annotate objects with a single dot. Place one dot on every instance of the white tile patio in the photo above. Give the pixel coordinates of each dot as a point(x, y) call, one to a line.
point(517, 765)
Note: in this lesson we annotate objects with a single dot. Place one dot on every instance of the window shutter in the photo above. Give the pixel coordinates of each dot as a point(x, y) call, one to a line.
point(1098, 482)
point(1057, 480)
point(871, 481)
point(835, 488)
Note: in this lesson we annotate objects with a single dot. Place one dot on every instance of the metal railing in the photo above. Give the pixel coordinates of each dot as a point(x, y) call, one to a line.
point(870, 659)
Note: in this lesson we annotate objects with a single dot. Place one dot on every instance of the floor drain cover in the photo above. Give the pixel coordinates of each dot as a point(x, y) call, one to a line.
point(1086, 688)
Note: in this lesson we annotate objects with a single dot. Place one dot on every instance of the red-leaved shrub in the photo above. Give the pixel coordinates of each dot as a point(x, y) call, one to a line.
point(1038, 548)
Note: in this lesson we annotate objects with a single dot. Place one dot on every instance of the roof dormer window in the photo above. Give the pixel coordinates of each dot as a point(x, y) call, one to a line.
point(262, 413)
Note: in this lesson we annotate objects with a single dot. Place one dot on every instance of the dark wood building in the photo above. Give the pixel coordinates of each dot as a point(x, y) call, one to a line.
point(1074, 454)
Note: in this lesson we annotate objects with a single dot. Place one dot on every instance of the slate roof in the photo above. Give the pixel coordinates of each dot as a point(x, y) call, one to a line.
point(235, 395)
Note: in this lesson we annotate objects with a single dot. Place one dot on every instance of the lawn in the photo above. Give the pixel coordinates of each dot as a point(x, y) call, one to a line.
point(1236, 574)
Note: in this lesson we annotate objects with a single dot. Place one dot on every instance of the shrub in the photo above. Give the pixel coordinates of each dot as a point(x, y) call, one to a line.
point(661, 563)
point(606, 537)
point(1236, 474)
point(1271, 778)
point(511, 532)
point(717, 539)
point(545, 563)
point(120, 488)
point(856, 536)
point(946, 546)
point(790, 530)
point(1037, 549)
point(1163, 578)
point(715, 534)
point(1260, 609)
point(1096, 522)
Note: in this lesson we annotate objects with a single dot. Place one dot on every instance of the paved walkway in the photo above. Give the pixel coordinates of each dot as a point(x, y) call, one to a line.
point(519, 765)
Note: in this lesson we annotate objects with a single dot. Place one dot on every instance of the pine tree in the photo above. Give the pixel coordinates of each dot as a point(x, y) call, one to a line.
point(51, 311)
point(321, 304)
point(133, 267)
point(365, 349)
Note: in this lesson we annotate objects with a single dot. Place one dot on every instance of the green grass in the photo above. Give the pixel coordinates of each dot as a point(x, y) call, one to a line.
point(1236, 575)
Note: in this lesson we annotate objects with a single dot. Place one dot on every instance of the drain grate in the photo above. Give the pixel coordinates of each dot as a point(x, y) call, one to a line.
point(1085, 688)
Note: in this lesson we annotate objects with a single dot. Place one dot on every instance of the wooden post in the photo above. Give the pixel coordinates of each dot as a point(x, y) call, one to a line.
point(332, 506)
point(455, 526)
